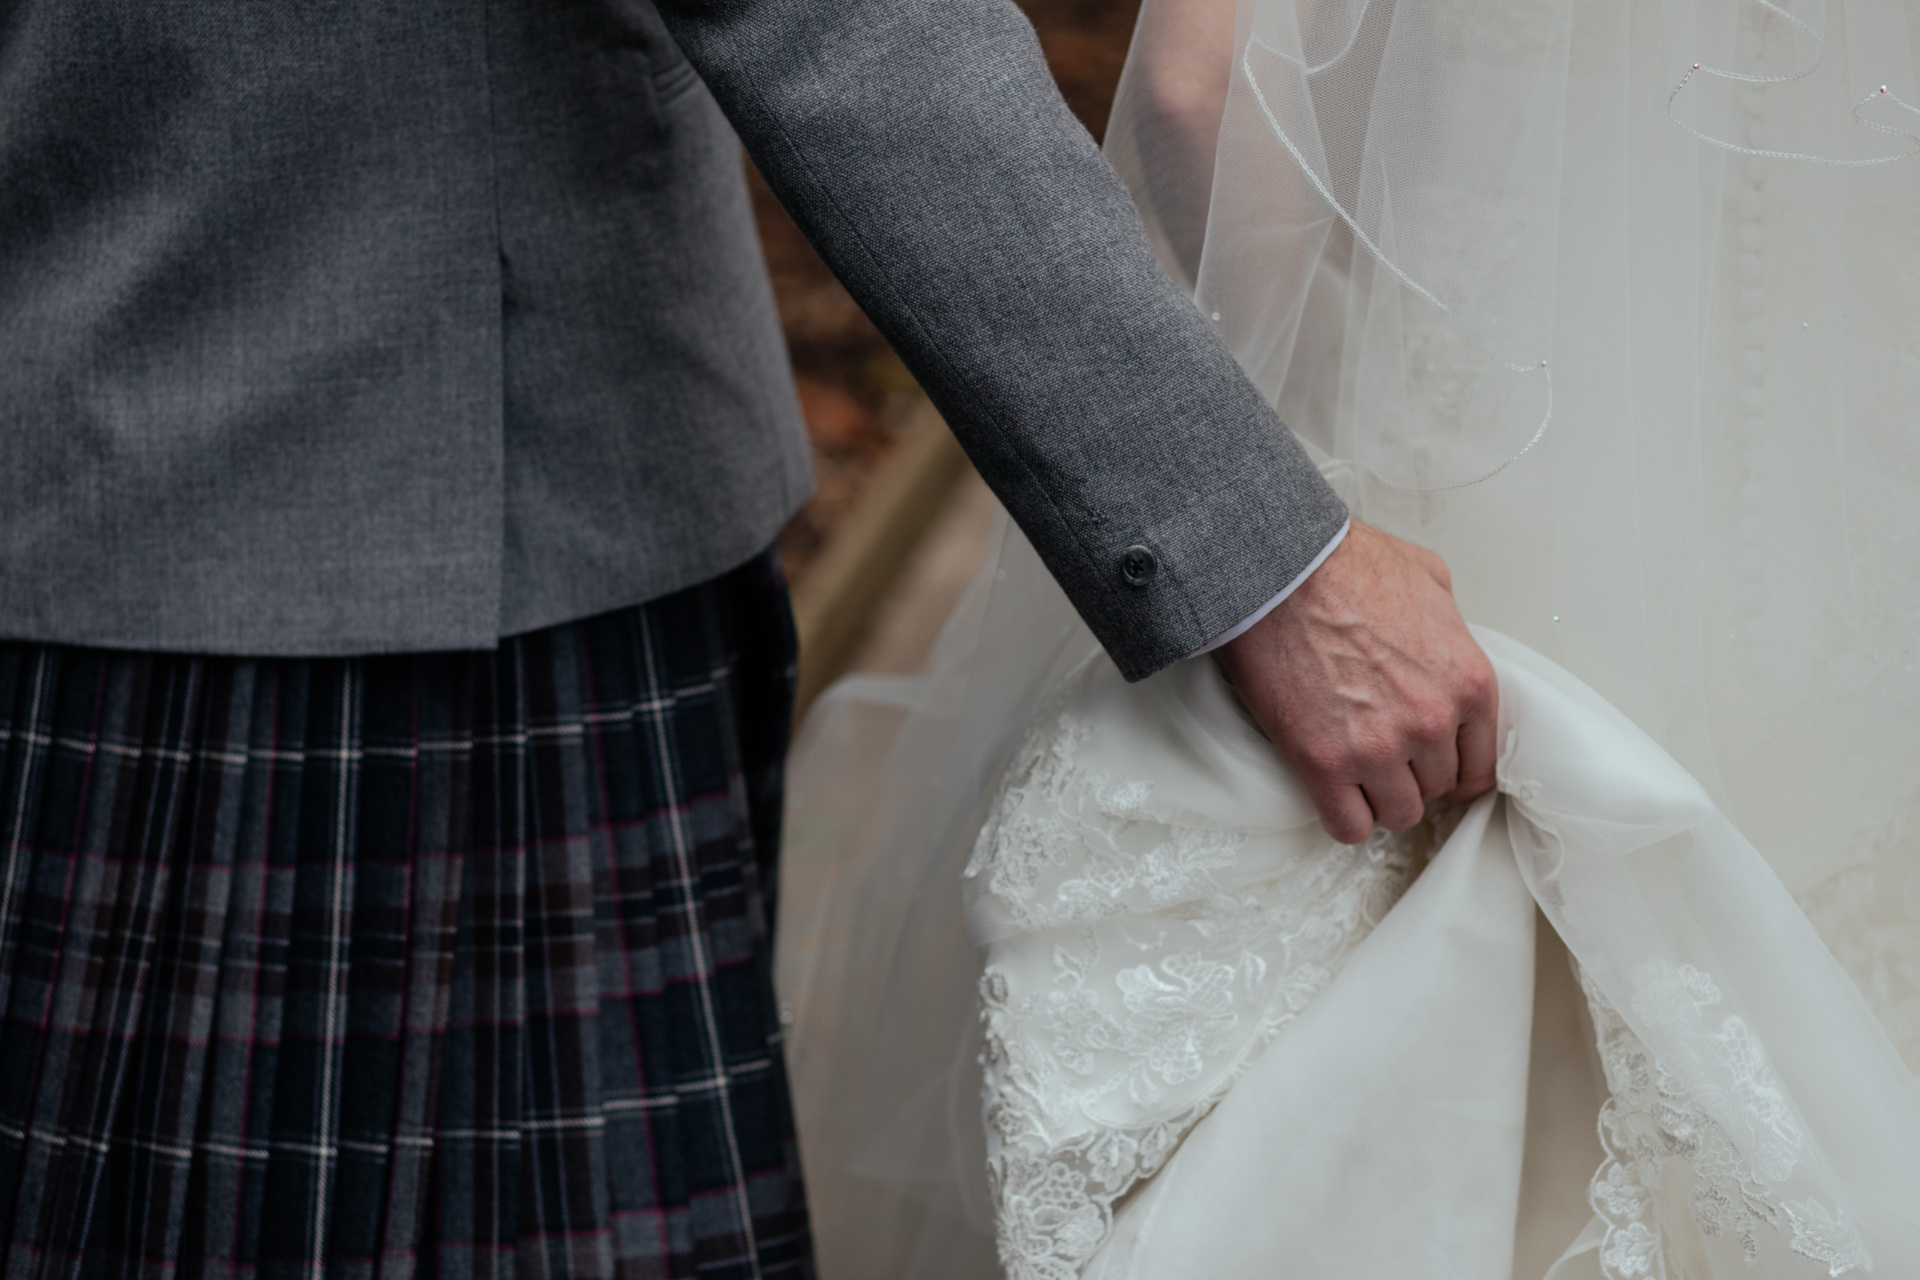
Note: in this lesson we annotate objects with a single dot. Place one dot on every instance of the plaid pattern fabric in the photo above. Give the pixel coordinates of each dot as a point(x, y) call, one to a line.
point(439, 965)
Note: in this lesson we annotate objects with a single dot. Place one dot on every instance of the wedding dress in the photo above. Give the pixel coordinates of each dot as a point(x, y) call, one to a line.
point(1617, 306)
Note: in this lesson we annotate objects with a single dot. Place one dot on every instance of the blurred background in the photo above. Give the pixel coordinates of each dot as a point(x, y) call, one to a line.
point(899, 521)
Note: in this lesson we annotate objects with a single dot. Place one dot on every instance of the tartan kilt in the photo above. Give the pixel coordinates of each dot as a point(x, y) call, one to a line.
point(448, 964)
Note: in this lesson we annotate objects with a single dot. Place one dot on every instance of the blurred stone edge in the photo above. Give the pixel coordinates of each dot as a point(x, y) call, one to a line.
point(834, 603)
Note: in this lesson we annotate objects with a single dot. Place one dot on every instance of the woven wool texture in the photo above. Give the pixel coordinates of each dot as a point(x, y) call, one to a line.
point(431, 964)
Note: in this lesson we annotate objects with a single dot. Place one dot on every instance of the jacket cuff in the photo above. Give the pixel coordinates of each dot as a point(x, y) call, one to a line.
point(1173, 584)
point(1247, 623)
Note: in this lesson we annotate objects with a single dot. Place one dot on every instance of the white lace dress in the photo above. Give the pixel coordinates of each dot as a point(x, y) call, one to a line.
point(1211, 1049)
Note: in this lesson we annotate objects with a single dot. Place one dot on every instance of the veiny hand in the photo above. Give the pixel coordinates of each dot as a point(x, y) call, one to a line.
point(1369, 684)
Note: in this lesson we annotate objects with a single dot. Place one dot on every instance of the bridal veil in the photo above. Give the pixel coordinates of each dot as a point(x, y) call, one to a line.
point(1616, 305)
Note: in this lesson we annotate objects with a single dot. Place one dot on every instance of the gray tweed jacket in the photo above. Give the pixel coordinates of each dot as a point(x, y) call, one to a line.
point(356, 326)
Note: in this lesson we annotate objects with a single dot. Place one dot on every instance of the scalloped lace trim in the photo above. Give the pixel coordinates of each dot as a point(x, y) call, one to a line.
point(1653, 1129)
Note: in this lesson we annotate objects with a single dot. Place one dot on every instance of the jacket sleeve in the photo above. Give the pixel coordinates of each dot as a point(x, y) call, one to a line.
point(922, 147)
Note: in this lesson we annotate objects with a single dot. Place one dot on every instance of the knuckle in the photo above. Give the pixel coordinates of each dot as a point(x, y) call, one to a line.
point(1384, 758)
point(1429, 722)
point(1477, 682)
point(1382, 748)
point(1325, 760)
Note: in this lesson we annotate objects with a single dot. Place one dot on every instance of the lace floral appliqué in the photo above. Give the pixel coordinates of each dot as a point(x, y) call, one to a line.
point(1652, 1129)
point(1152, 966)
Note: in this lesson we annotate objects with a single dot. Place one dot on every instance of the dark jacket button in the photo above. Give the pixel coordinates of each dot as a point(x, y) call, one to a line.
point(1138, 566)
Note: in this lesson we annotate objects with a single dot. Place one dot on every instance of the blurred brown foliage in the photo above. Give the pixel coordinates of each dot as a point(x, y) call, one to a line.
point(853, 389)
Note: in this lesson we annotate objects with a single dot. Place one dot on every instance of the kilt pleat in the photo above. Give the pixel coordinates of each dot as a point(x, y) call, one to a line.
point(416, 965)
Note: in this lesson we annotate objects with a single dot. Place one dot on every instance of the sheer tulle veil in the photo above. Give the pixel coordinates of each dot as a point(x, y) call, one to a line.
point(1613, 303)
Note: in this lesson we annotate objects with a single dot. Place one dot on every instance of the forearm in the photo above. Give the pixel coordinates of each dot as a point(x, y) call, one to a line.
point(922, 147)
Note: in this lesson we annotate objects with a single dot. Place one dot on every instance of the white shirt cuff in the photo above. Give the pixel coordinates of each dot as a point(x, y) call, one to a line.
point(1241, 627)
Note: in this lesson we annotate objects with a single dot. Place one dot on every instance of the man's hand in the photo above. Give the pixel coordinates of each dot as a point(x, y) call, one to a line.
point(1369, 684)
